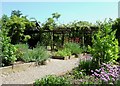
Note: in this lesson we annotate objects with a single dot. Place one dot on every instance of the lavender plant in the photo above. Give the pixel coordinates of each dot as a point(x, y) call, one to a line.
point(108, 73)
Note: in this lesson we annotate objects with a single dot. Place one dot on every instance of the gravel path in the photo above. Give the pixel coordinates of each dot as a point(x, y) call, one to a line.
point(57, 67)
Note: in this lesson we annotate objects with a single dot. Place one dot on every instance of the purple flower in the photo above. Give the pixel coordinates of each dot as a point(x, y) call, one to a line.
point(96, 74)
point(104, 79)
point(103, 64)
point(92, 71)
point(102, 76)
point(107, 73)
point(102, 69)
point(97, 70)
point(108, 66)
point(93, 75)
point(102, 72)
point(113, 79)
point(107, 77)
point(113, 75)
point(110, 71)
point(81, 80)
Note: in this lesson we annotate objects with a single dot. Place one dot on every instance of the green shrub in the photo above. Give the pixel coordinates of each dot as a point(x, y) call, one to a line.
point(22, 51)
point(37, 54)
point(64, 52)
point(0, 44)
point(52, 80)
point(86, 66)
point(105, 45)
point(8, 50)
point(1, 54)
point(73, 47)
point(40, 54)
point(78, 73)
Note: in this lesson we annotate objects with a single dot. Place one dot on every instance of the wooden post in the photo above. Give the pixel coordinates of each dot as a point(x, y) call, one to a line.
point(62, 38)
point(53, 42)
point(69, 36)
point(83, 39)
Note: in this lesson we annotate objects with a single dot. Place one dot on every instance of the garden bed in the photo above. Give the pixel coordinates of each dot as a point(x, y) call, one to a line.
point(55, 67)
point(17, 67)
point(63, 57)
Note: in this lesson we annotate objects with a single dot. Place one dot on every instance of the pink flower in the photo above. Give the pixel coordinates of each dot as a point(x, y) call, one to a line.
point(97, 70)
point(113, 79)
point(104, 79)
point(92, 71)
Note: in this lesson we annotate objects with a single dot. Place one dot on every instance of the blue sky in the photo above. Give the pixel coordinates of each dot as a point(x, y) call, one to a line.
point(70, 11)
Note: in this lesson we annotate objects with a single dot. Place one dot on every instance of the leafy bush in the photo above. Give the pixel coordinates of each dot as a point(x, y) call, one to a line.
point(64, 52)
point(78, 73)
point(107, 73)
point(51, 80)
point(17, 26)
point(8, 50)
point(22, 51)
point(40, 54)
point(73, 47)
point(80, 78)
point(0, 43)
point(116, 26)
point(37, 54)
point(105, 45)
point(1, 53)
point(86, 66)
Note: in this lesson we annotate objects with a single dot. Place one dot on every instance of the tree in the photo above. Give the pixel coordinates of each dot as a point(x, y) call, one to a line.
point(56, 15)
point(16, 12)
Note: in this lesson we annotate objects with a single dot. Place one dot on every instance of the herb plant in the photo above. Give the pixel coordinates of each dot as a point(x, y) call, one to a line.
point(74, 47)
point(40, 54)
point(64, 52)
point(51, 80)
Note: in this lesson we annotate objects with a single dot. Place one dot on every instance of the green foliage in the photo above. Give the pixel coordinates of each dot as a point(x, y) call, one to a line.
point(79, 77)
point(50, 23)
point(16, 27)
point(56, 15)
point(69, 49)
point(40, 54)
point(81, 25)
point(105, 45)
point(8, 50)
point(16, 12)
point(116, 26)
point(85, 49)
point(22, 52)
point(45, 39)
point(78, 74)
point(64, 52)
point(1, 53)
point(73, 47)
point(37, 54)
point(86, 66)
point(51, 80)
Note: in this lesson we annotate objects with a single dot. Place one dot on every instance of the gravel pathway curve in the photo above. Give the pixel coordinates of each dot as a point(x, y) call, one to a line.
point(55, 66)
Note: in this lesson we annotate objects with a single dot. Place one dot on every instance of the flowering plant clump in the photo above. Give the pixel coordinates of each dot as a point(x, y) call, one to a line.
point(108, 73)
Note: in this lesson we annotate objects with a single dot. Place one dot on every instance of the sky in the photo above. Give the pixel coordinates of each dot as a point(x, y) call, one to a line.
point(70, 11)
